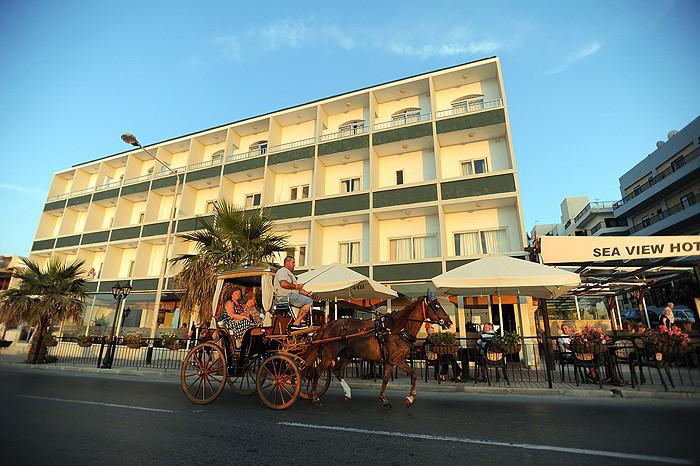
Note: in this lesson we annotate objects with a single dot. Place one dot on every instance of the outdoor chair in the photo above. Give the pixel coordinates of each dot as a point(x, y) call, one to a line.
point(624, 353)
point(645, 357)
point(587, 361)
point(563, 360)
point(491, 359)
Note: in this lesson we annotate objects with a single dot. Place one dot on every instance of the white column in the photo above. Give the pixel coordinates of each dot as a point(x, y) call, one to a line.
point(500, 314)
point(578, 310)
point(646, 314)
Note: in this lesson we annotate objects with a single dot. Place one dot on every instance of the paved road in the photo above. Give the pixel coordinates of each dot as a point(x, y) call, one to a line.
point(78, 419)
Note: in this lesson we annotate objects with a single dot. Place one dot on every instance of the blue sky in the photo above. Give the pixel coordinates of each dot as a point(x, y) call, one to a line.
point(591, 86)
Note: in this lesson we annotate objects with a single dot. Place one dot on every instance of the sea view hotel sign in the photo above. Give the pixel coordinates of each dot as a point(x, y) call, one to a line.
point(577, 249)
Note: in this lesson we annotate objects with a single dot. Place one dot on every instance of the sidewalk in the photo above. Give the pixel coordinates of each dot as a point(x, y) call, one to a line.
point(650, 392)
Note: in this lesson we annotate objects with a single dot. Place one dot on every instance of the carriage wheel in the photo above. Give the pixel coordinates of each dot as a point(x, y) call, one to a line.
point(278, 382)
point(203, 374)
point(324, 381)
point(245, 383)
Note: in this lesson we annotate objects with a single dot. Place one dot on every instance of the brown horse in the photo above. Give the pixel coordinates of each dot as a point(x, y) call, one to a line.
point(401, 330)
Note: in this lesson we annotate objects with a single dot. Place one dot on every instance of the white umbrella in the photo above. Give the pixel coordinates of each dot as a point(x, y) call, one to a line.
point(337, 281)
point(506, 275)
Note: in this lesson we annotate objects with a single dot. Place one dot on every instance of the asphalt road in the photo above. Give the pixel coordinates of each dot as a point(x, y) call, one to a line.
point(79, 419)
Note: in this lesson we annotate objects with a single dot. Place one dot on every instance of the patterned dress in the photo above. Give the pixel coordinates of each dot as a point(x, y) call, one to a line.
point(238, 327)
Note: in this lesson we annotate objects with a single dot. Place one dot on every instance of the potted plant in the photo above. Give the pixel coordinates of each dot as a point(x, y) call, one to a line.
point(443, 342)
point(84, 341)
point(49, 340)
point(590, 340)
point(509, 343)
point(170, 341)
point(133, 341)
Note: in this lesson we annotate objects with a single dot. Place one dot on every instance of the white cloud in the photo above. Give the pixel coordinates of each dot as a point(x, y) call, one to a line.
point(281, 34)
point(339, 36)
point(443, 49)
point(20, 189)
point(230, 47)
point(584, 52)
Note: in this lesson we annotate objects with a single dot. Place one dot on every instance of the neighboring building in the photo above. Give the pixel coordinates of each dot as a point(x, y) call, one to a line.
point(579, 217)
point(660, 194)
point(402, 181)
point(6, 265)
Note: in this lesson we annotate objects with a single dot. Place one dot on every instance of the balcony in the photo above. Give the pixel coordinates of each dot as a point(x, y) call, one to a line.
point(247, 155)
point(469, 107)
point(660, 220)
point(677, 165)
point(364, 129)
point(403, 121)
point(609, 226)
point(594, 207)
point(206, 163)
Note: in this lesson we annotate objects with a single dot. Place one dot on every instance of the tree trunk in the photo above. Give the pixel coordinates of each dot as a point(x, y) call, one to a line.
point(37, 350)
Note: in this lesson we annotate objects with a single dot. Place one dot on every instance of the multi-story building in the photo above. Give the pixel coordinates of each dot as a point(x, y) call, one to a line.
point(660, 193)
point(401, 181)
point(581, 217)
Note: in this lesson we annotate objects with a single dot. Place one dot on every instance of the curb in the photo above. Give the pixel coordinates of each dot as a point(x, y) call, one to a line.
point(173, 375)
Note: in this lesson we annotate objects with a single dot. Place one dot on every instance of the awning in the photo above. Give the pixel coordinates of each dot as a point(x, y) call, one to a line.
point(337, 281)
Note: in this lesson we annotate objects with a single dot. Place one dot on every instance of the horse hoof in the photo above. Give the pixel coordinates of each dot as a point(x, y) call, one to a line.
point(408, 402)
point(387, 406)
point(346, 398)
point(316, 403)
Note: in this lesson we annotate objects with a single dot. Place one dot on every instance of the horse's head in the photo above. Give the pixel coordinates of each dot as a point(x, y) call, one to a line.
point(435, 312)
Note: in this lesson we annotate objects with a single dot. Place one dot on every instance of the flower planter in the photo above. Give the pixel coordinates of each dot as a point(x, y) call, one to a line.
point(85, 345)
point(445, 349)
point(173, 347)
point(513, 349)
point(134, 345)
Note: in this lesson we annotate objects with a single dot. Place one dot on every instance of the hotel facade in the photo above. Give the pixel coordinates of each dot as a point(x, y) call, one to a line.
point(400, 181)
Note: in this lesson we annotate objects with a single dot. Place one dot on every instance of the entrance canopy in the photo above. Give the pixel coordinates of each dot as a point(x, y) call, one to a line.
point(337, 281)
point(497, 274)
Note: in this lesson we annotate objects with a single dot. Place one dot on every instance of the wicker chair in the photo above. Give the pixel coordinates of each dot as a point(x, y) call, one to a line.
point(491, 358)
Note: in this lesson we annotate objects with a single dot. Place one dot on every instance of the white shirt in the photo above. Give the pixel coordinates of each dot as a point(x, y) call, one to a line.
point(284, 274)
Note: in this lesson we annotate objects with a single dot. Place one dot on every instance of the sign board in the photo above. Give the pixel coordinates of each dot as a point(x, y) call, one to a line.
point(577, 249)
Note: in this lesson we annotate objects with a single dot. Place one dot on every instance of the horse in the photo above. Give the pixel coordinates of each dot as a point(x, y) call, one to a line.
point(337, 345)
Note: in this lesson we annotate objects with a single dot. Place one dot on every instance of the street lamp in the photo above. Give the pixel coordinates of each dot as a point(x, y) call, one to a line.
point(119, 292)
point(131, 140)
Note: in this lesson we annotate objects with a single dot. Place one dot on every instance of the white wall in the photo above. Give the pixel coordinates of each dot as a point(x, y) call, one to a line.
point(333, 235)
point(297, 132)
point(240, 190)
point(502, 217)
point(335, 173)
point(418, 166)
point(494, 150)
point(411, 226)
point(334, 121)
point(384, 111)
point(285, 181)
point(488, 88)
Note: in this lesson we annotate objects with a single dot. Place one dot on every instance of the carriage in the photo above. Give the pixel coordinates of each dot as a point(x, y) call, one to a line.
point(268, 361)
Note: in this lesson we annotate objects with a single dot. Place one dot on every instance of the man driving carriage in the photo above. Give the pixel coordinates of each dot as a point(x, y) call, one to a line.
point(286, 286)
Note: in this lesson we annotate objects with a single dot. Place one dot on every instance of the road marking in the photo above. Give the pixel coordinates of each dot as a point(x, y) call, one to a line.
point(110, 405)
point(527, 446)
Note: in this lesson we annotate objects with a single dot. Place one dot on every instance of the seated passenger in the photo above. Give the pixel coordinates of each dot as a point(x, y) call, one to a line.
point(285, 283)
point(487, 333)
point(236, 319)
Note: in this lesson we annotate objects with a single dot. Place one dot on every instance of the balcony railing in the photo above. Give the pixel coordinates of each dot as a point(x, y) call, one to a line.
point(675, 166)
point(246, 155)
point(57, 197)
point(138, 179)
point(206, 163)
point(662, 215)
point(164, 173)
point(291, 145)
point(593, 205)
point(406, 120)
point(469, 107)
point(346, 133)
point(113, 184)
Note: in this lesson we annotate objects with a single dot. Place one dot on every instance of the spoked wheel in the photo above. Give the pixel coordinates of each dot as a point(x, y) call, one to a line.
point(244, 383)
point(278, 382)
point(324, 380)
point(203, 374)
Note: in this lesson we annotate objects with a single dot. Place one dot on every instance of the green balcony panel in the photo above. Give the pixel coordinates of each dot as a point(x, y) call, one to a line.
point(478, 186)
point(477, 120)
point(91, 287)
point(402, 134)
point(192, 224)
point(163, 182)
point(155, 229)
point(299, 209)
point(136, 188)
point(213, 172)
point(109, 194)
point(43, 244)
point(126, 233)
point(363, 270)
point(79, 200)
point(243, 165)
point(55, 205)
point(147, 284)
point(342, 204)
point(291, 155)
point(419, 271)
point(96, 237)
point(67, 241)
point(343, 145)
point(401, 196)
point(457, 263)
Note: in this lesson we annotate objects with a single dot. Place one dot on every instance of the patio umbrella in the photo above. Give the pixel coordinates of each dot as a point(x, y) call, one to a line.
point(335, 281)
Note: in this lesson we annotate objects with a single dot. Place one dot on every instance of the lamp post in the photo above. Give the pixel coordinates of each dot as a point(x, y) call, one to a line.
point(131, 139)
point(119, 292)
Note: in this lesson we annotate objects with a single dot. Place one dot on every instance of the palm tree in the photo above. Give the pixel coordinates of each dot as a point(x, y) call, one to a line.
point(233, 238)
point(43, 297)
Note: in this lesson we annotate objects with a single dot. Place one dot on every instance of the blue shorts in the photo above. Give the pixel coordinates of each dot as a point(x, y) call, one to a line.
point(299, 300)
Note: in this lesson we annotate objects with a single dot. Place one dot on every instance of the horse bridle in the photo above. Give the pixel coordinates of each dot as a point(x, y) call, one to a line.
point(424, 306)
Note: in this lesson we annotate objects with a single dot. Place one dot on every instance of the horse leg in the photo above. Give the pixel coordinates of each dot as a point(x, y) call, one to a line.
point(385, 381)
point(408, 370)
point(326, 360)
point(338, 372)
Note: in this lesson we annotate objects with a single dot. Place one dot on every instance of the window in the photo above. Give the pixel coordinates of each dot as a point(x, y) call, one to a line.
point(351, 127)
point(298, 253)
point(252, 200)
point(407, 115)
point(678, 163)
point(416, 247)
point(349, 252)
point(131, 268)
point(299, 192)
point(645, 221)
point(469, 103)
point(217, 156)
point(350, 185)
point(260, 146)
point(474, 243)
point(688, 200)
point(141, 216)
point(99, 270)
point(399, 176)
point(473, 167)
point(210, 207)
